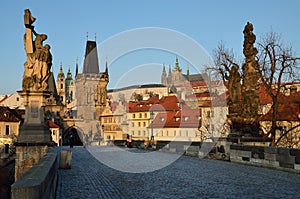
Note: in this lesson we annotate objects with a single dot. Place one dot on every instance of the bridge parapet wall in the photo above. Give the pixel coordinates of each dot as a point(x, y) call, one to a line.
point(40, 180)
point(271, 157)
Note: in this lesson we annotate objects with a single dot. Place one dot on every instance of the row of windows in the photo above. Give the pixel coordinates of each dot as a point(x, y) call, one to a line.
point(182, 133)
point(166, 133)
point(140, 115)
point(138, 124)
point(139, 133)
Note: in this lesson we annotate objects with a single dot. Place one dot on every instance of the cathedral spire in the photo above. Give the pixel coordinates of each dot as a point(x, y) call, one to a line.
point(177, 64)
point(164, 76)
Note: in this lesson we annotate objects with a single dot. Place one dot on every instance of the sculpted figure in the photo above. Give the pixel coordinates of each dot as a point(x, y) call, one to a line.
point(39, 59)
point(234, 85)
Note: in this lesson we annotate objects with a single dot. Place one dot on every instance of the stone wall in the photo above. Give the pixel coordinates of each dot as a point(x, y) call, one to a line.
point(271, 157)
point(27, 156)
point(40, 180)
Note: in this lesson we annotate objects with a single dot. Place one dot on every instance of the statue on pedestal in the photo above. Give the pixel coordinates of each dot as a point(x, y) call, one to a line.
point(39, 59)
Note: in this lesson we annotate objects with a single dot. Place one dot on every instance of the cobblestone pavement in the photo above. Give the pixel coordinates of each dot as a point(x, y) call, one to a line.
point(188, 177)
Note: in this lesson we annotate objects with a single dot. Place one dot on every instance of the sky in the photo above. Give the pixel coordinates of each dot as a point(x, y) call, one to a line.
point(119, 23)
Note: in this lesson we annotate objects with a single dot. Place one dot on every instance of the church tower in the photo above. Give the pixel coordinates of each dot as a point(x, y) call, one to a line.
point(60, 85)
point(69, 87)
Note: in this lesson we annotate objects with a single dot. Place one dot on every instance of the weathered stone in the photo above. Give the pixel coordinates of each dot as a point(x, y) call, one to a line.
point(39, 181)
point(297, 160)
point(283, 151)
point(295, 152)
point(271, 150)
point(283, 159)
point(270, 156)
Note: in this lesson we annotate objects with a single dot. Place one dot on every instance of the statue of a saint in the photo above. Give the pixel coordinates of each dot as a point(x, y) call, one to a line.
point(39, 59)
point(234, 85)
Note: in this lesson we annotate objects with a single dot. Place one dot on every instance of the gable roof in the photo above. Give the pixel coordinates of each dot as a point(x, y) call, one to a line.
point(185, 118)
point(288, 108)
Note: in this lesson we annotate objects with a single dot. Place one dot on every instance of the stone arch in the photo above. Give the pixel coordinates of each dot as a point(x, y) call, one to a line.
point(77, 134)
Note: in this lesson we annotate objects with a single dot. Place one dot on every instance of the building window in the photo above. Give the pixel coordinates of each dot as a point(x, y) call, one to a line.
point(61, 86)
point(145, 115)
point(132, 124)
point(139, 124)
point(18, 99)
point(144, 124)
point(140, 115)
point(133, 116)
point(139, 132)
point(208, 114)
point(6, 129)
point(54, 132)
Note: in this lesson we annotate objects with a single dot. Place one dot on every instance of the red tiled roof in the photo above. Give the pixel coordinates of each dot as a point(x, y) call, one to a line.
point(288, 108)
point(166, 103)
point(189, 118)
point(51, 124)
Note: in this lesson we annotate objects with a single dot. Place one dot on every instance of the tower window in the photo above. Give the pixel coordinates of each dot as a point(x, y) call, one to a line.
point(6, 129)
point(61, 86)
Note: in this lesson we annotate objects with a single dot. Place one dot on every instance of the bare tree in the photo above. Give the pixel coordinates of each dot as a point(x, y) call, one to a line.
point(278, 65)
point(224, 60)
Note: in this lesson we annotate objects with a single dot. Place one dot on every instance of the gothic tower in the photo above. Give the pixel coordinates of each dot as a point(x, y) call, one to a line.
point(164, 76)
point(90, 94)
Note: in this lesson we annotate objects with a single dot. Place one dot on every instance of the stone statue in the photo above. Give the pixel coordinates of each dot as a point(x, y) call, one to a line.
point(234, 88)
point(39, 59)
point(250, 74)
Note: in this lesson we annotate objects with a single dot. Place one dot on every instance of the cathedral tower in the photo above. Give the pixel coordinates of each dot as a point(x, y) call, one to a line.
point(164, 76)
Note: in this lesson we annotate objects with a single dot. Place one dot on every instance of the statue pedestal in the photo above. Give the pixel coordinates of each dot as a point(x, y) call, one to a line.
point(34, 129)
point(34, 135)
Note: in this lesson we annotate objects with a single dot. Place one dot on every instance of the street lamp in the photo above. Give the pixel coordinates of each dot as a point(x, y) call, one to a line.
point(151, 120)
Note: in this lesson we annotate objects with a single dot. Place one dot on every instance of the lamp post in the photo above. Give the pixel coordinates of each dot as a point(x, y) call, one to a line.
point(151, 120)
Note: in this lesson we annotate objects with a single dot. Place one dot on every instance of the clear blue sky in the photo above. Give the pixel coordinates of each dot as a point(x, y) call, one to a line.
point(66, 23)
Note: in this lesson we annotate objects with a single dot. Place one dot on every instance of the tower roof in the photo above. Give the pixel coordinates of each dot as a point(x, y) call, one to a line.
point(91, 64)
point(69, 74)
point(61, 72)
point(177, 65)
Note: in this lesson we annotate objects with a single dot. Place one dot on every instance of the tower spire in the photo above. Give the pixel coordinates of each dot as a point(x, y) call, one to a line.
point(177, 64)
point(106, 66)
point(87, 36)
point(76, 70)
